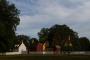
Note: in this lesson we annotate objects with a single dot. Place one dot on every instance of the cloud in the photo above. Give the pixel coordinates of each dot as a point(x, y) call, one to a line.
point(36, 14)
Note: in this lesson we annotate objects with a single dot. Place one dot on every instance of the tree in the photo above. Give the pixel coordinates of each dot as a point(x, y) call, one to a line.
point(84, 44)
point(62, 35)
point(33, 44)
point(23, 38)
point(9, 19)
point(43, 35)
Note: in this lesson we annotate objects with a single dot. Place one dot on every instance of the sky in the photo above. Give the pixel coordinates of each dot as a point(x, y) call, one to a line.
point(36, 14)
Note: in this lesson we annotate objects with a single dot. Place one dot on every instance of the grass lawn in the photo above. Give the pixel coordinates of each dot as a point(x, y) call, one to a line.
point(45, 57)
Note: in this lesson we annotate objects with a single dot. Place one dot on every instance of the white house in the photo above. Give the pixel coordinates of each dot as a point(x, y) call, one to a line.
point(22, 48)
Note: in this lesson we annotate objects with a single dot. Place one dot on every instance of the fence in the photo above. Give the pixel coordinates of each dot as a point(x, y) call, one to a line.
point(50, 52)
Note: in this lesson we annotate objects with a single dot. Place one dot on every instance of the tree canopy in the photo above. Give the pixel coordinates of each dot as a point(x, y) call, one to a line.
point(23, 38)
point(60, 35)
point(33, 44)
point(9, 19)
point(84, 44)
point(43, 35)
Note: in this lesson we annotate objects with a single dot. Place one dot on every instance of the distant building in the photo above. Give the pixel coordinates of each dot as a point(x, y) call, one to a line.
point(21, 48)
point(42, 47)
point(39, 47)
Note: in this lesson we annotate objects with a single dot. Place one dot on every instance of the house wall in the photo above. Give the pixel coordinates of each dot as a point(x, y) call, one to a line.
point(22, 48)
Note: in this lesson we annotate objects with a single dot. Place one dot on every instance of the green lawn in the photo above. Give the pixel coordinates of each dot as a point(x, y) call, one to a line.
point(45, 57)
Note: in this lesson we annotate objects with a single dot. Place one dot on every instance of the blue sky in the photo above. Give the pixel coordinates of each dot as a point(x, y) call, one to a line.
point(36, 14)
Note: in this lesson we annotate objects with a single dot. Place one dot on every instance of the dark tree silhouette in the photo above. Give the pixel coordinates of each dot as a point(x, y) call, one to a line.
point(23, 38)
point(84, 44)
point(43, 35)
point(9, 19)
point(63, 36)
point(33, 44)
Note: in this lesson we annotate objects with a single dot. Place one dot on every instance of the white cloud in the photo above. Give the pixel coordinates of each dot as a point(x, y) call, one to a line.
point(44, 13)
point(82, 14)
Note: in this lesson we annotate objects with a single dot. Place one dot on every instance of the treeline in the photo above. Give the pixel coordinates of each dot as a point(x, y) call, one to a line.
point(60, 35)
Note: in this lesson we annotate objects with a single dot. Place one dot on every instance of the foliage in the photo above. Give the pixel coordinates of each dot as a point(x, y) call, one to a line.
point(9, 19)
point(23, 38)
point(61, 35)
point(43, 35)
point(33, 44)
point(84, 44)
